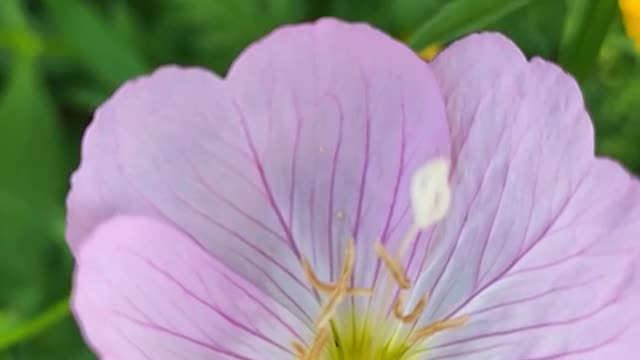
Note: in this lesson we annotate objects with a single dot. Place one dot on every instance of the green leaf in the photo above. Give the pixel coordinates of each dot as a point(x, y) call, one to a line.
point(537, 28)
point(96, 47)
point(32, 171)
point(12, 15)
point(375, 12)
point(15, 33)
point(8, 320)
point(30, 148)
point(217, 30)
point(410, 14)
point(459, 17)
point(581, 50)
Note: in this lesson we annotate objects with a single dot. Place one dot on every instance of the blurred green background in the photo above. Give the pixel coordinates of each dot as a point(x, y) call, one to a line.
point(59, 59)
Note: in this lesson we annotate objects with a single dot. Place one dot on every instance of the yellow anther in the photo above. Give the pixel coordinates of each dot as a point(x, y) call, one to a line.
point(393, 265)
point(320, 285)
point(437, 327)
point(326, 287)
point(411, 317)
point(359, 291)
point(299, 349)
point(349, 258)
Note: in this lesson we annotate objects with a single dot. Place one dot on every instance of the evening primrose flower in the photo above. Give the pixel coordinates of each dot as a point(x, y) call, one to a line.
point(631, 18)
point(335, 197)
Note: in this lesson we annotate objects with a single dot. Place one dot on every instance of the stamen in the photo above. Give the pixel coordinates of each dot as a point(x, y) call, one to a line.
point(320, 285)
point(318, 344)
point(359, 292)
point(430, 199)
point(326, 287)
point(394, 266)
point(414, 314)
point(299, 349)
point(329, 309)
point(338, 290)
point(349, 257)
point(437, 327)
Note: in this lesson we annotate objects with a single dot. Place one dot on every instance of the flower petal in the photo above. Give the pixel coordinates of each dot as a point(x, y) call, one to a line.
point(144, 290)
point(311, 139)
point(169, 146)
point(340, 118)
point(540, 248)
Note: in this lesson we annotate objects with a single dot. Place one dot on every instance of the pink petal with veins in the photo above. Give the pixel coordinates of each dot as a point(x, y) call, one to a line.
point(310, 140)
point(541, 246)
point(144, 290)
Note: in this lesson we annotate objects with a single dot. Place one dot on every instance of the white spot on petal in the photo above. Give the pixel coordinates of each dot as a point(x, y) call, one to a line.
point(430, 193)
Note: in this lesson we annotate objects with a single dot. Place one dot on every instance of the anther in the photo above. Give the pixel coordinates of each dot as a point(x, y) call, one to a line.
point(299, 349)
point(326, 287)
point(411, 317)
point(394, 266)
point(322, 286)
point(437, 327)
point(349, 257)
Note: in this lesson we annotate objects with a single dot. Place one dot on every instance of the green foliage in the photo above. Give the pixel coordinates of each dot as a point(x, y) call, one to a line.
point(217, 30)
point(33, 171)
point(59, 59)
point(537, 28)
point(91, 43)
point(581, 52)
point(458, 17)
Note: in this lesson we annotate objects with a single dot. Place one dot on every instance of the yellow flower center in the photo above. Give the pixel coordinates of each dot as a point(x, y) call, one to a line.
point(390, 339)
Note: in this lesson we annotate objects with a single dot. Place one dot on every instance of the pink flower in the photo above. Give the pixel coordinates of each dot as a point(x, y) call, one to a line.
point(334, 197)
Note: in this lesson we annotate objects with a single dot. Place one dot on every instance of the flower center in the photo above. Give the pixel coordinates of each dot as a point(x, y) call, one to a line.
point(391, 332)
point(392, 338)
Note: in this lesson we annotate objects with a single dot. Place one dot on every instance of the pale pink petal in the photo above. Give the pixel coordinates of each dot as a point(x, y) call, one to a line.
point(169, 146)
point(310, 140)
point(541, 245)
point(339, 116)
point(144, 290)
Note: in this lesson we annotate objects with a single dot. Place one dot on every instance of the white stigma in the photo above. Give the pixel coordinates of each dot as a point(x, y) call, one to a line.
point(430, 193)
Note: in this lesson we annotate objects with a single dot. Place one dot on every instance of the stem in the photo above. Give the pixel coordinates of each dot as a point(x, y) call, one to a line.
point(54, 314)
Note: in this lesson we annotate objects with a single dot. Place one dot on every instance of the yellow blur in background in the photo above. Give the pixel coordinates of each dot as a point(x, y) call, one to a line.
point(631, 16)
